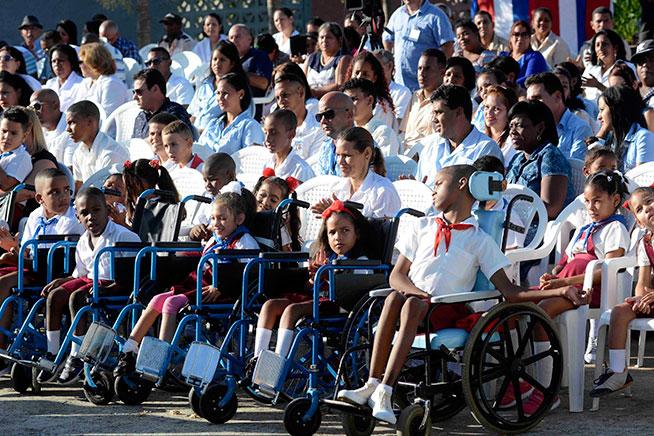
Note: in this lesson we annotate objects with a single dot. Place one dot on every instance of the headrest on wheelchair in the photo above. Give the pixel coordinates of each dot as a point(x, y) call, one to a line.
point(486, 186)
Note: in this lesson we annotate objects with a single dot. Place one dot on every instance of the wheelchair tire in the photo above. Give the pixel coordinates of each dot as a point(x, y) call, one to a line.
point(494, 365)
point(209, 405)
point(103, 393)
point(36, 386)
point(21, 378)
point(358, 425)
point(293, 422)
point(410, 422)
point(194, 402)
point(131, 390)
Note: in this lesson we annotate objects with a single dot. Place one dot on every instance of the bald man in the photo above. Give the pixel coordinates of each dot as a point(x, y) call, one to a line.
point(335, 114)
point(109, 31)
point(255, 62)
point(46, 104)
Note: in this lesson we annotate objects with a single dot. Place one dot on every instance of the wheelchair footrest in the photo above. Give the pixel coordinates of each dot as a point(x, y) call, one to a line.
point(97, 343)
point(346, 407)
point(152, 360)
point(200, 364)
point(268, 370)
point(46, 364)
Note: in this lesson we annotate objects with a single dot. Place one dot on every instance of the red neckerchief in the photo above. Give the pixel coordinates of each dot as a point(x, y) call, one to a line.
point(445, 231)
point(195, 162)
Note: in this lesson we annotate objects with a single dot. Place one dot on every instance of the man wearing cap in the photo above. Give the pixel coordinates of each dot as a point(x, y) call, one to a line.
point(174, 40)
point(644, 61)
point(31, 30)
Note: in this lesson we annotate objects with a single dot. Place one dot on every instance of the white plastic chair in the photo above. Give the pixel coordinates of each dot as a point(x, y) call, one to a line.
point(399, 165)
point(139, 149)
point(311, 191)
point(187, 181)
point(578, 178)
point(185, 63)
point(202, 150)
point(414, 150)
point(120, 124)
point(414, 194)
point(642, 175)
point(249, 180)
point(132, 67)
point(251, 160)
point(143, 52)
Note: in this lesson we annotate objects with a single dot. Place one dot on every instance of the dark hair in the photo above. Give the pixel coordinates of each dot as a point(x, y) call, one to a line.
point(239, 82)
point(499, 75)
point(550, 82)
point(316, 21)
point(69, 52)
point(152, 77)
point(49, 174)
point(486, 13)
point(645, 190)
point(362, 228)
point(537, 112)
point(572, 102)
point(217, 162)
point(611, 182)
point(285, 11)
point(285, 117)
point(143, 172)
point(597, 153)
point(236, 203)
point(381, 90)
point(467, 24)
point(266, 42)
point(212, 15)
point(510, 99)
point(468, 70)
point(542, 10)
point(489, 163)
point(616, 41)
point(18, 114)
point(515, 24)
point(161, 51)
point(351, 39)
point(364, 85)
point(362, 139)
point(53, 36)
point(93, 26)
point(71, 29)
point(85, 109)
point(454, 96)
point(92, 192)
point(18, 56)
point(435, 53)
point(602, 10)
point(626, 107)
point(230, 51)
point(623, 70)
point(288, 69)
point(19, 84)
point(163, 118)
point(459, 171)
point(507, 65)
point(294, 223)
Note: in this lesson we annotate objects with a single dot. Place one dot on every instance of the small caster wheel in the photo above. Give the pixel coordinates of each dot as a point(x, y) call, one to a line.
point(209, 405)
point(194, 402)
point(132, 390)
point(413, 422)
point(21, 378)
point(294, 418)
point(102, 393)
point(358, 425)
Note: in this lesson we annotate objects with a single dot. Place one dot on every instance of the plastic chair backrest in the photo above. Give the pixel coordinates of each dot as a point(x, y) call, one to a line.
point(578, 178)
point(120, 124)
point(139, 149)
point(96, 179)
point(311, 191)
point(399, 165)
point(251, 160)
point(71, 180)
point(103, 114)
point(202, 150)
point(414, 194)
point(249, 180)
point(642, 175)
point(187, 62)
point(415, 149)
point(132, 67)
point(143, 52)
point(528, 212)
point(187, 181)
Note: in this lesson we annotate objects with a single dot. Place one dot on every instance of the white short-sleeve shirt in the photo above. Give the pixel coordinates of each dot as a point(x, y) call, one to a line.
point(453, 271)
point(610, 237)
point(59, 143)
point(641, 254)
point(16, 163)
point(377, 194)
point(292, 166)
point(179, 90)
point(65, 224)
point(104, 152)
point(108, 92)
point(67, 91)
point(309, 136)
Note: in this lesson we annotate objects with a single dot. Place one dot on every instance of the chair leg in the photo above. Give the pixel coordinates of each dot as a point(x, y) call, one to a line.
point(600, 358)
point(641, 349)
point(575, 323)
point(563, 333)
point(627, 392)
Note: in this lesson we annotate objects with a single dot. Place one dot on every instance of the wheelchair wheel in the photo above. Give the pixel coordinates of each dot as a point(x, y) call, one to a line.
point(103, 393)
point(293, 414)
point(36, 386)
point(131, 390)
point(413, 422)
point(358, 425)
point(21, 378)
point(499, 356)
point(209, 405)
point(194, 402)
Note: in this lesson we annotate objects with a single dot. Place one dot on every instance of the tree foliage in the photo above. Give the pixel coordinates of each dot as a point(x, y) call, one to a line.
point(627, 14)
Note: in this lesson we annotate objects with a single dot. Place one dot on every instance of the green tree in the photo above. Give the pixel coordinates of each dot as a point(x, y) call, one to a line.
point(627, 13)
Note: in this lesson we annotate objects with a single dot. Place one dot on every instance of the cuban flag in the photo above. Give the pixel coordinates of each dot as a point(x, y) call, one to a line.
point(571, 18)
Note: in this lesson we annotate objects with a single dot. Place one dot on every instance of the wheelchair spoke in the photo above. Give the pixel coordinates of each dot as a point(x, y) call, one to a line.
point(501, 391)
point(494, 374)
point(497, 355)
point(536, 357)
point(525, 337)
point(508, 343)
point(535, 383)
point(518, 397)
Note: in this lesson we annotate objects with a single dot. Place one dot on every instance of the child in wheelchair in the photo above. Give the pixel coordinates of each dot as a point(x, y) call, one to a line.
point(440, 256)
point(229, 213)
point(616, 377)
point(100, 232)
point(269, 191)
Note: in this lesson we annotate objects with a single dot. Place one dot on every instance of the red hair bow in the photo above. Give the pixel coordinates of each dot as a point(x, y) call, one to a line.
point(337, 206)
point(268, 172)
point(127, 165)
point(154, 163)
point(292, 183)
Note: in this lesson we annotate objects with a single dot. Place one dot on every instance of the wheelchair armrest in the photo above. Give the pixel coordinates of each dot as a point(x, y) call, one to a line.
point(361, 263)
point(284, 255)
point(132, 245)
point(55, 238)
point(185, 244)
point(354, 204)
point(464, 297)
point(239, 253)
point(409, 211)
point(380, 292)
point(198, 198)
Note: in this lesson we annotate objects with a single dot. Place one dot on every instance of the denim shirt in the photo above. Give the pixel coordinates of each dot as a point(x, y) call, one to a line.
point(204, 106)
point(637, 147)
point(242, 132)
point(572, 132)
point(327, 163)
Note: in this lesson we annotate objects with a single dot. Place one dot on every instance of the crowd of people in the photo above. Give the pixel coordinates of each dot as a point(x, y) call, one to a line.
point(447, 94)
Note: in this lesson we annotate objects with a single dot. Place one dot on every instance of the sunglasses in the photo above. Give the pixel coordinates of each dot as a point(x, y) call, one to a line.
point(6, 58)
point(329, 114)
point(154, 62)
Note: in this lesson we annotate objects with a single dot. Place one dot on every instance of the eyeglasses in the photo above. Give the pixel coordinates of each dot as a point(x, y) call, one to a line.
point(521, 34)
point(6, 58)
point(139, 91)
point(154, 62)
point(329, 114)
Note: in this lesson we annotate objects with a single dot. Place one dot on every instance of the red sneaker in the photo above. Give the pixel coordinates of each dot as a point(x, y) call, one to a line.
point(535, 401)
point(508, 400)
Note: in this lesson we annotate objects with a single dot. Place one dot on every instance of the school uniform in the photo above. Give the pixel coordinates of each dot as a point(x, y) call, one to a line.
point(309, 136)
point(645, 252)
point(242, 132)
point(377, 194)
point(66, 91)
point(179, 90)
point(109, 92)
point(292, 166)
point(385, 137)
point(204, 105)
point(37, 224)
point(59, 143)
point(449, 268)
point(104, 153)
point(16, 163)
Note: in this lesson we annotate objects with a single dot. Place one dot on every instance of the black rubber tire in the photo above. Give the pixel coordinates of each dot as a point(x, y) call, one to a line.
point(410, 420)
point(36, 386)
point(491, 357)
point(209, 405)
point(132, 391)
point(358, 425)
point(194, 402)
point(293, 422)
point(103, 393)
point(21, 378)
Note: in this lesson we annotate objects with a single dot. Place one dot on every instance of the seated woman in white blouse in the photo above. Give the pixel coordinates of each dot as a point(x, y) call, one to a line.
point(360, 163)
point(68, 77)
point(212, 28)
point(101, 86)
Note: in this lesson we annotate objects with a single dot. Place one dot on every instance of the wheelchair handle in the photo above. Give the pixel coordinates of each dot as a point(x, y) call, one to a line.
point(284, 255)
point(114, 192)
point(185, 244)
point(157, 192)
point(239, 253)
point(55, 238)
point(353, 204)
point(131, 244)
point(408, 210)
point(198, 198)
point(361, 263)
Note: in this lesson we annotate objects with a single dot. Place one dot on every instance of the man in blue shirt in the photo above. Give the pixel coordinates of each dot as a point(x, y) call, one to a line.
point(412, 28)
point(255, 62)
point(109, 31)
point(335, 114)
point(572, 130)
point(31, 30)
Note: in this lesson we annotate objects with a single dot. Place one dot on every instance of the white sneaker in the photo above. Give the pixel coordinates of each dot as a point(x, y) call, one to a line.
point(358, 396)
point(382, 406)
point(591, 351)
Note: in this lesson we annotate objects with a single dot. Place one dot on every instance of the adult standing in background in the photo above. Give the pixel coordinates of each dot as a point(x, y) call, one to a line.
point(212, 29)
point(31, 30)
point(489, 38)
point(174, 39)
point(413, 28)
point(284, 23)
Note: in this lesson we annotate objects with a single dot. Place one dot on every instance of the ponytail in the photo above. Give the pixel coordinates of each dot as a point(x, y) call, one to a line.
point(377, 162)
point(145, 174)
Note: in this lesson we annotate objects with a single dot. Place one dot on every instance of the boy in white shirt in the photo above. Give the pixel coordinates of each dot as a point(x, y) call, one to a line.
point(100, 232)
point(441, 256)
point(15, 161)
point(279, 131)
point(178, 143)
point(156, 125)
point(96, 149)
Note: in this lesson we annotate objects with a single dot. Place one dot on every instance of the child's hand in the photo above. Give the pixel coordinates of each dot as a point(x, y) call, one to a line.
point(117, 215)
point(199, 233)
point(553, 283)
point(643, 305)
point(573, 294)
point(7, 240)
point(210, 294)
point(322, 204)
point(545, 278)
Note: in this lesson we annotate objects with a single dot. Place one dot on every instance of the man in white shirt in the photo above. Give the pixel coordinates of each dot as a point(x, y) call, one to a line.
point(174, 39)
point(178, 89)
point(279, 130)
point(46, 104)
point(96, 150)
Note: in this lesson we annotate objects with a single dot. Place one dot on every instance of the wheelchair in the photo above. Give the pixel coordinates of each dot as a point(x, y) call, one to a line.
point(451, 368)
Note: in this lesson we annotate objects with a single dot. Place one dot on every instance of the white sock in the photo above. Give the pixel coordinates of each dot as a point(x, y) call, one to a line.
point(385, 387)
point(592, 333)
point(617, 360)
point(372, 381)
point(284, 341)
point(544, 367)
point(261, 340)
point(53, 341)
point(130, 346)
point(74, 346)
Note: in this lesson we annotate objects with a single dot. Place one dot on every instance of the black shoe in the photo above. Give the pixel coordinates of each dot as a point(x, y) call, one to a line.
point(72, 370)
point(45, 375)
point(126, 364)
point(248, 372)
